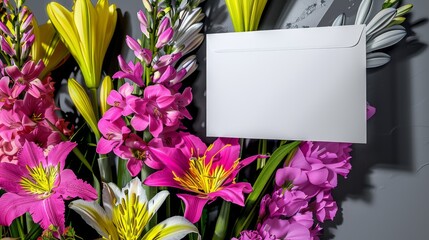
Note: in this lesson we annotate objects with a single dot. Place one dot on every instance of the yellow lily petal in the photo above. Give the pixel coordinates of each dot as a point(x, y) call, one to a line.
point(47, 47)
point(105, 88)
point(81, 100)
point(87, 32)
point(245, 14)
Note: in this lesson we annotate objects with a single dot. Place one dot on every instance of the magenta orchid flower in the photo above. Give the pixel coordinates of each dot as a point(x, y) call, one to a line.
point(138, 153)
point(206, 172)
point(114, 134)
point(155, 110)
point(166, 60)
point(9, 95)
point(39, 184)
point(120, 101)
point(131, 71)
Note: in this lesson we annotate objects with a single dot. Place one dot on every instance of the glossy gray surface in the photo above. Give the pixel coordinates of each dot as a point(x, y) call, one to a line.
point(386, 194)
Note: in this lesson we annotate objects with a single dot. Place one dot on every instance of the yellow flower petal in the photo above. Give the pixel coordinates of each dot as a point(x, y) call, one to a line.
point(87, 32)
point(81, 100)
point(105, 88)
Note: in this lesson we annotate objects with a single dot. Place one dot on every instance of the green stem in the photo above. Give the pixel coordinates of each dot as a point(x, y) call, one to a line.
point(150, 192)
point(123, 175)
point(222, 222)
point(262, 150)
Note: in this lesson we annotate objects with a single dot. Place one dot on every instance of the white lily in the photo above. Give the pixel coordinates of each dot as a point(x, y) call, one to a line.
point(126, 213)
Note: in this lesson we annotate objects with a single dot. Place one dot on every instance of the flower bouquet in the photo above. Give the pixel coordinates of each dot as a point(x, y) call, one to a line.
point(126, 163)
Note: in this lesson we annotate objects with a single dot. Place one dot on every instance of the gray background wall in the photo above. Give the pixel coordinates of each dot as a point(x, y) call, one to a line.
point(387, 193)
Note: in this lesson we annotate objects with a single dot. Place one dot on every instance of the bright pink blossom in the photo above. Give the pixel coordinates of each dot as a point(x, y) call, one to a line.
point(114, 135)
point(325, 207)
point(143, 54)
point(28, 73)
point(155, 110)
point(283, 204)
point(39, 184)
point(121, 102)
point(205, 172)
point(131, 71)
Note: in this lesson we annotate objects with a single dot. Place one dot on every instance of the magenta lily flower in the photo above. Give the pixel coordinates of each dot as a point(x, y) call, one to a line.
point(205, 172)
point(131, 71)
point(39, 184)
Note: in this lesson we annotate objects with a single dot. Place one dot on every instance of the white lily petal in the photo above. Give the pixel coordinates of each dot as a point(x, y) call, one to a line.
point(386, 38)
point(95, 217)
point(119, 194)
point(108, 200)
point(173, 228)
point(340, 20)
point(376, 59)
point(363, 12)
point(380, 21)
point(156, 202)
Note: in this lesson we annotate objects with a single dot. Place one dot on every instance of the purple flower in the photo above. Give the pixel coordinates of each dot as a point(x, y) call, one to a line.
point(297, 227)
point(39, 184)
point(131, 71)
point(28, 73)
point(283, 204)
point(249, 235)
point(325, 207)
point(143, 22)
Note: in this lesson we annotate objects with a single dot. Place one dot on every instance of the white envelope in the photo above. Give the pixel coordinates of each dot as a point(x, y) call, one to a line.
point(294, 84)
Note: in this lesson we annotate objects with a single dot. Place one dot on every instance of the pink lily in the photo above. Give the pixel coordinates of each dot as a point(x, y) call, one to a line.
point(142, 54)
point(131, 71)
point(206, 172)
point(39, 184)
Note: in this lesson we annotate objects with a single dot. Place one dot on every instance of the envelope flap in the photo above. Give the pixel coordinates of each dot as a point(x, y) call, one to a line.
point(287, 39)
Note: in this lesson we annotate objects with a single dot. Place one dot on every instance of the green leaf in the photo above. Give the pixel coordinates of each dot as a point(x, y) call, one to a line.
point(34, 233)
point(261, 185)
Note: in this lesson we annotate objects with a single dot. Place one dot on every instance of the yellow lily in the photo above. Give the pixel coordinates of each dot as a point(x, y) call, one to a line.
point(106, 87)
point(245, 14)
point(126, 213)
point(87, 32)
point(81, 100)
point(47, 47)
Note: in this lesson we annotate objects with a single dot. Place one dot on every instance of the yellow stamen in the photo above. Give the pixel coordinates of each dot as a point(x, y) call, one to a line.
point(130, 217)
point(41, 180)
point(201, 178)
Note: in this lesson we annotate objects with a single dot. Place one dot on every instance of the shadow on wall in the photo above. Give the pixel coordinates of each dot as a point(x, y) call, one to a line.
point(389, 131)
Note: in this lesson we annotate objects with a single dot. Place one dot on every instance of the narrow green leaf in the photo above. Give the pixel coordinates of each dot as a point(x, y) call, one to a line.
point(34, 233)
point(261, 185)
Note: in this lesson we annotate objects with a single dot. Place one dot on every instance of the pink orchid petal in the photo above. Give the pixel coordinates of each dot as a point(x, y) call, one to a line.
point(155, 126)
point(105, 146)
point(132, 43)
point(193, 206)
point(71, 187)
point(140, 122)
point(14, 206)
point(164, 38)
point(165, 101)
point(134, 166)
point(13, 72)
